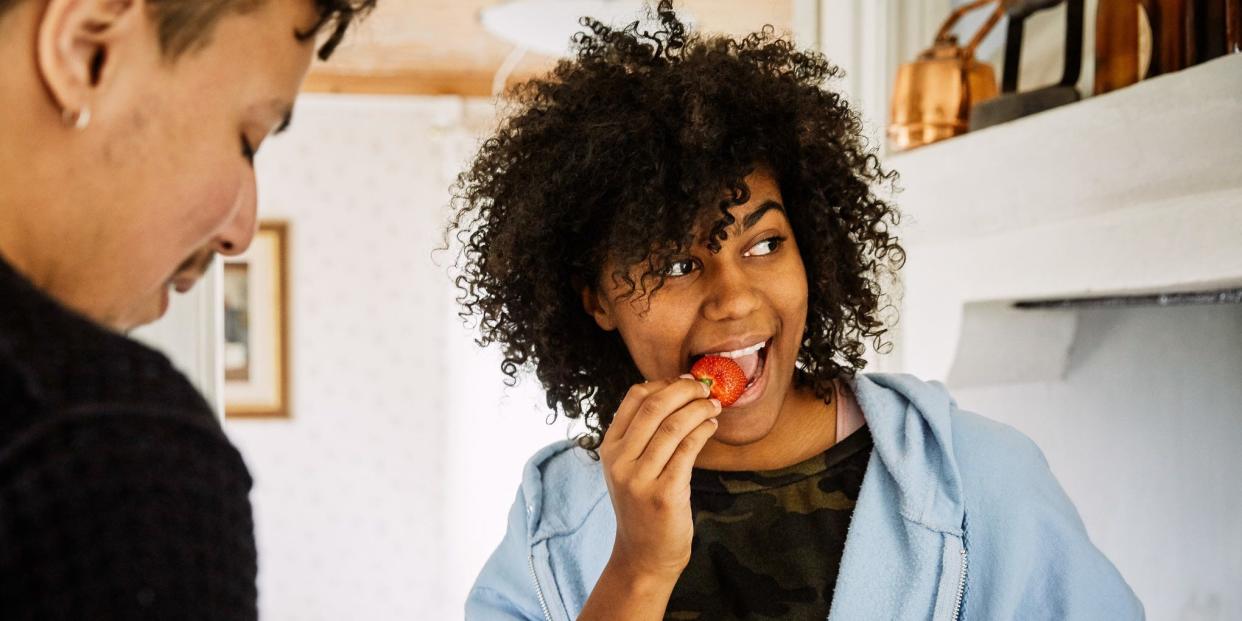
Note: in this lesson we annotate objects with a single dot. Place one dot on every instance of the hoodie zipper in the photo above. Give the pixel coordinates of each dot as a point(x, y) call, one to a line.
point(539, 590)
point(961, 588)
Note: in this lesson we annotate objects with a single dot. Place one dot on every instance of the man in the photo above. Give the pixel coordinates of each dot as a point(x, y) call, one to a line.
point(128, 130)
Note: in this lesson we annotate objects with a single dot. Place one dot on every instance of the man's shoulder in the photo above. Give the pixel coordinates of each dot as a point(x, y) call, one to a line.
point(62, 373)
point(67, 364)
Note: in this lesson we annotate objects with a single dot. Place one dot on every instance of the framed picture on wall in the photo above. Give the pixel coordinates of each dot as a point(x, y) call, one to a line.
point(256, 327)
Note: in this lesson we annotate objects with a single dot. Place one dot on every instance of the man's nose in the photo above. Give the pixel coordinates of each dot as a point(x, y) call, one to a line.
point(237, 234)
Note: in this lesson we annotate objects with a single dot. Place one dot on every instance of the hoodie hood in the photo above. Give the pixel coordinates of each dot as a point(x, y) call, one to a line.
point(910, 422)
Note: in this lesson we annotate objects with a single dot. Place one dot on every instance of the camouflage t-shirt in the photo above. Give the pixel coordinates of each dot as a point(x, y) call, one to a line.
point(767, 545)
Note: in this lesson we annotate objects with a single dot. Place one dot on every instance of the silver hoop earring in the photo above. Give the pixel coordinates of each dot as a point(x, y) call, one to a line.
point(78, 120)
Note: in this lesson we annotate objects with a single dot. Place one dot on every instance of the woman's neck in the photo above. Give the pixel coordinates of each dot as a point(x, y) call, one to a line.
point(805, 427)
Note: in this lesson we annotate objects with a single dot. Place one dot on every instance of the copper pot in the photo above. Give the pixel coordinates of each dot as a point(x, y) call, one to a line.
point(933, 95)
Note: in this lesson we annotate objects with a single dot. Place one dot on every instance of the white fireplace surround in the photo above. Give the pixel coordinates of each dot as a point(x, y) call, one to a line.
point(1137, 191)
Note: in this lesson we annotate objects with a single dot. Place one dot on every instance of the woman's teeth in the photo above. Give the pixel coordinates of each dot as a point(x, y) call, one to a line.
point(750, 359)
point(746, 351)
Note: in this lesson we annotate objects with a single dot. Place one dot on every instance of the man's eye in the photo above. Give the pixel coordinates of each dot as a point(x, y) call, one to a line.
point(680, 268)
point(767, 246)
point(247, 149)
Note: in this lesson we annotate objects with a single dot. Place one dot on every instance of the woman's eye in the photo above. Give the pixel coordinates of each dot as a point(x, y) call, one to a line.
point(680, 268)
point(767, 246)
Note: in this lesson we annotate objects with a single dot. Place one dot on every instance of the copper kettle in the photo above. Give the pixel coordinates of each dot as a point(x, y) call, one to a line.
point(934, 94)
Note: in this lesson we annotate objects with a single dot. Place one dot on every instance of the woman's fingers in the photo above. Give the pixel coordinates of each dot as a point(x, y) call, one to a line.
point(650, 414)
point(671, 433)
point(680, 465)
point(629, 407)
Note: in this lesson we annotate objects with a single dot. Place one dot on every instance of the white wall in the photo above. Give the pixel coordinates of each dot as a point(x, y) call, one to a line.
point(1144, 434)
point(381, 481)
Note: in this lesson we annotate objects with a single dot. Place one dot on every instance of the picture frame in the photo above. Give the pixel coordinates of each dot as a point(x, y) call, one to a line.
point(256, 327)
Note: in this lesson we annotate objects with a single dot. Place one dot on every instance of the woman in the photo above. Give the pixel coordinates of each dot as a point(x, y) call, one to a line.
point(667, 196)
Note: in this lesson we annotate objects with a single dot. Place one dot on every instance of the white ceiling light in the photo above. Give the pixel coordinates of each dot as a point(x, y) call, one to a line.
point(547, 26)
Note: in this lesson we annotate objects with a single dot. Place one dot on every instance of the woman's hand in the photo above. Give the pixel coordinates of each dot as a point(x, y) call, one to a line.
point(648, 453)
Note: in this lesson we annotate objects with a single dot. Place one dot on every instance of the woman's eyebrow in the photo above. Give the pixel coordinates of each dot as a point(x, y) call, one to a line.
point(755, 216)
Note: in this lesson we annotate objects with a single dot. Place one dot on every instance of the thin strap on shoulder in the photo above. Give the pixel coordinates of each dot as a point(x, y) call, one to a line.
point(849, 415)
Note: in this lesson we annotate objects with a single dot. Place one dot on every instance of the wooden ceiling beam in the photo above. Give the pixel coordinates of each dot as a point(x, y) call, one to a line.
point(407, 82)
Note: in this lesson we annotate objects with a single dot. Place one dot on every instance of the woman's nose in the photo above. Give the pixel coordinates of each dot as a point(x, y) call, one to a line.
point(732, 295)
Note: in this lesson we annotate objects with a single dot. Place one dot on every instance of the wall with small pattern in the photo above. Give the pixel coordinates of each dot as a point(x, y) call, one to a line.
point(382, 495)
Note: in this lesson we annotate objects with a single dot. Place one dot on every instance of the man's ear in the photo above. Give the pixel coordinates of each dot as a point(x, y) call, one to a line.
point(77, 43)
point(598, 309)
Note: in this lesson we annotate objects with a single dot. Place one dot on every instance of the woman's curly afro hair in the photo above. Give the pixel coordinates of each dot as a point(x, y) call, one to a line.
point(619, 154)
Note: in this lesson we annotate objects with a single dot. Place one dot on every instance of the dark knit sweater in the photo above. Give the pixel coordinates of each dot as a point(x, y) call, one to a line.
point(120, 496)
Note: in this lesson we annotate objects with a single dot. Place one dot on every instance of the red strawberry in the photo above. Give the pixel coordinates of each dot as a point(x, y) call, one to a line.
point(723, 376)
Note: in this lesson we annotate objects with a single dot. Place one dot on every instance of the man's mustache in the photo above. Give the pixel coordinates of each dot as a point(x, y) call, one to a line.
point(197, 264)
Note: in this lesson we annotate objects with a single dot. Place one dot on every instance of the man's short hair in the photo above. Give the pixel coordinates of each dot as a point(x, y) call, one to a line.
point(185, 25)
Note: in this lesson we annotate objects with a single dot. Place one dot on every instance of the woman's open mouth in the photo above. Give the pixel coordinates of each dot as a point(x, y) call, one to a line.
point(758, 379)
point(753, 361)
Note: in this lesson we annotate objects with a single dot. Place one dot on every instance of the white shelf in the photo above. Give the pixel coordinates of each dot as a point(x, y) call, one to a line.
point(1136, 191)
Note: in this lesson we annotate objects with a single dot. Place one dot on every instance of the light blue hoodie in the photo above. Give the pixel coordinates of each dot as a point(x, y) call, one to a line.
point(958, 517)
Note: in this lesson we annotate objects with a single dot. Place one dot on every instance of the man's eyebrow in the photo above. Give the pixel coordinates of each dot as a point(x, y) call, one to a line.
point(755, 216)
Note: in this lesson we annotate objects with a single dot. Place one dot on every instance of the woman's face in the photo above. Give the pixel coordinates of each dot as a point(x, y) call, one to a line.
point(753, 292)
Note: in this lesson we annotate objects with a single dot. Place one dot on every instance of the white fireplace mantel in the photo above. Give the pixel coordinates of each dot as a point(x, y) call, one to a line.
point(1133, 192)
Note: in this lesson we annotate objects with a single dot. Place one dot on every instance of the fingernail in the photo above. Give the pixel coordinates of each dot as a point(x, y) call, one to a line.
point(686, 376)
point(716, 402)
point(714, 421)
